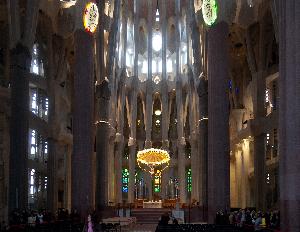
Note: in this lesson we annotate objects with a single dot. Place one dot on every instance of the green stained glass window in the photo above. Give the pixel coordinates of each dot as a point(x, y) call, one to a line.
point(157, 181)
point(209, 11)
point(189, 180)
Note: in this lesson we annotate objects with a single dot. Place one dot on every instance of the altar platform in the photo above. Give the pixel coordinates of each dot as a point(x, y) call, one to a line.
point(165, 203)
point(152, 204)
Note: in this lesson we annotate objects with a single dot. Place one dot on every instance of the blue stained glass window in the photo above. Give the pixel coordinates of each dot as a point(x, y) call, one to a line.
point(230, 84)
point(125, 180)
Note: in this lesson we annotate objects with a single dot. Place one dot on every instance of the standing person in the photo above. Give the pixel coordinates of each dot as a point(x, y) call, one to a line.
point(90, 224)
point(257, 222)
point(231, 218)
point(243, 218)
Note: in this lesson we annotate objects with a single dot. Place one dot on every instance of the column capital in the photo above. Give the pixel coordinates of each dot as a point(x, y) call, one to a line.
point(194, 137)
point(119, 138)
point(181, 141)
point(148, 144)
point(202, 86)
point(131, 141)
point(21, 57)
point(102, 90)
point(165, 143)
point(227, 11)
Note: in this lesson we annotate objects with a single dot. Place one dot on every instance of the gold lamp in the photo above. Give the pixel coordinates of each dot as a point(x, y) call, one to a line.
point(153, 159)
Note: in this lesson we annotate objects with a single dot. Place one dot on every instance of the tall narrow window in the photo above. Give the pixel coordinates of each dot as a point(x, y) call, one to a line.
point(145, 67)
point(267, 95)
point(46, 182)
point(189, 180)
point(33, 144)
point(125, 180)
point(34, 105)
point(45, 151)
point(275, 143)
point(46, 106)
point(169, 66)
point(32, 189)
point(39, 103)
point(157, 42)
point(157, 181)
point(36, 63)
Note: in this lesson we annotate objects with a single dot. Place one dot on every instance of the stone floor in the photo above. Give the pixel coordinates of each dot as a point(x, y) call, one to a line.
point(142, 228)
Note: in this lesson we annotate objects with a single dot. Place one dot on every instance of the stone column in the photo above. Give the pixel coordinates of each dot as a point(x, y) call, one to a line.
point(218, 121)
point(148, 116)
point(289, 114)
point(124, 34)
point(102, 143)
point(133, 107)
point(181, 143)
point(164, 132)
point(195, 166)
point(164, 86)
point(203, 142)
point(111, 167)
point(68, 177)
point(259, 113)
point(179, 105)
point(120, 137)
point(83, 120)
point(100, 69)
point(195, 39)
point(149, 83)
point(52, 195)
point(181, 170)
point(52, 190)
point(165, 115)
point(132, 140)
point(259, 141)
point(259, 171)
point(118, 167)
point(245, 167)
point(131, 184)
point(18, 173)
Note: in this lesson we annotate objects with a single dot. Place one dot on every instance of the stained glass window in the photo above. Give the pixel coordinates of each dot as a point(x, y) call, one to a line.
point(125, 180)
point(157, 181)
point(189, 180)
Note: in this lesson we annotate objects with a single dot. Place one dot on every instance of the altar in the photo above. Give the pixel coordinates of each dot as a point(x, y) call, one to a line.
point(152, 204)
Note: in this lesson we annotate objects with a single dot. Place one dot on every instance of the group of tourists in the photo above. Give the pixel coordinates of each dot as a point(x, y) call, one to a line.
point(33, 218)
point(250, 218)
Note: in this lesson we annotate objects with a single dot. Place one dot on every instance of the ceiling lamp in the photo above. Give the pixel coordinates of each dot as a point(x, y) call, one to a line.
point(157, 122)
point(157, 112)
point(153, 159)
